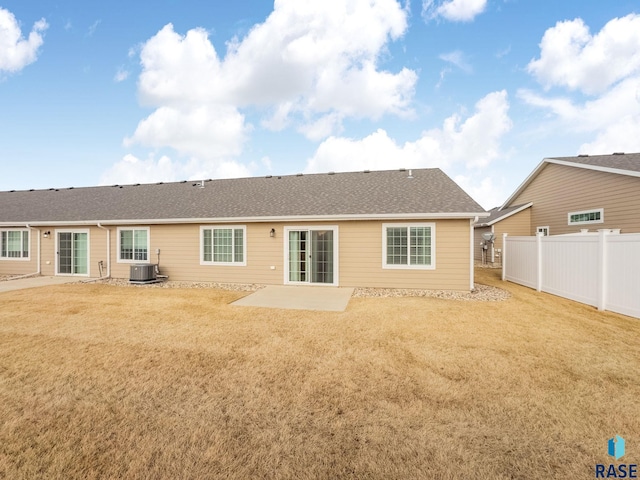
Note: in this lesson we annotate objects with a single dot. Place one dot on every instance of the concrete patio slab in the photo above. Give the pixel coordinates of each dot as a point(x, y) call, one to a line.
point(334, 299)
point(33, 282)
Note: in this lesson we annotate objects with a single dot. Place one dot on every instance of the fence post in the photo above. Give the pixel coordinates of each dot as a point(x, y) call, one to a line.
point(602, 268)
point(504, 255)
point(539, 261)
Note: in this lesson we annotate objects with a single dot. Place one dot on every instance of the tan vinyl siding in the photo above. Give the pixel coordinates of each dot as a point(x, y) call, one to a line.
point(359, 263)
point(97, 249)
point(361, 258)
point(558, 190)
point(518, 224)
point(477, 240)
point(12, 266)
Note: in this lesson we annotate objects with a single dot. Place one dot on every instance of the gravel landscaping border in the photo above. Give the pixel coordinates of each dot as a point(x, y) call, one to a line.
point(234, 287)
point(481, 293)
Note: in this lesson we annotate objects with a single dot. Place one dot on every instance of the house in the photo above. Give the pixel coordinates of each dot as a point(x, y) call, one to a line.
point(398, 229)
point(515, 220)
point(568, 195)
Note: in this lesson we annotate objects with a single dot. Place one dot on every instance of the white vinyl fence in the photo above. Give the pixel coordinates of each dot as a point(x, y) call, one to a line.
point(600, 269)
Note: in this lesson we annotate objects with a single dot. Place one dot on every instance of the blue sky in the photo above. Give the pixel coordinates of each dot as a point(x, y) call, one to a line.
point(132, 92)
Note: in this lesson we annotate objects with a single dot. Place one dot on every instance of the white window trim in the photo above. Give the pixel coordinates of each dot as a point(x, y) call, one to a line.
point(432, 225)
point(17, 259)
point(336, 254)
point(539, 230)
point(57, 249)
point(224, 227)
point(601, 210)
point(119, 260)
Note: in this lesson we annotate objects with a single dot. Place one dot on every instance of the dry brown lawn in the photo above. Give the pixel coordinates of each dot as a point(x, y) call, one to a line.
point(99, 381)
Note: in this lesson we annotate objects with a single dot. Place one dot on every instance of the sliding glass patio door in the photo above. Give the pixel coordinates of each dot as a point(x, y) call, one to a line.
point(73, 253)
point(311, 256)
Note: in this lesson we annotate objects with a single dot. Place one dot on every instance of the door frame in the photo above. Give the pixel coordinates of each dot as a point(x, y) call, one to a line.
point(57, 250)
point(309, 228)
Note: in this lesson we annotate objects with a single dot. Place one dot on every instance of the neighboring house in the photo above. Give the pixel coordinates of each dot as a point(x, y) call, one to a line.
point(403, 229)
point(514, 220)
point(569, 194)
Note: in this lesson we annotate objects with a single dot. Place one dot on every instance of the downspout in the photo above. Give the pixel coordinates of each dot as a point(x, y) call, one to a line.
point(38, 256)
point(471, 247)
point(108, 250)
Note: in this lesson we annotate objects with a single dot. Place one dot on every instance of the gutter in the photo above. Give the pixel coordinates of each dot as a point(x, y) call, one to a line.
point(269, 219)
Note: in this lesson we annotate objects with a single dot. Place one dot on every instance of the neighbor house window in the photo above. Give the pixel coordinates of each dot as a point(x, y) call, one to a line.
point(133, 244)
point(223, 245)
point(14, 244)
point(408, 246)
point(543, 230)
point(587, 216)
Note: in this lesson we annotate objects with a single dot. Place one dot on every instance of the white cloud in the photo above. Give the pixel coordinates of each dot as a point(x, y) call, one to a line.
point(207, 131)
point(453, 10)
point(571, 57)
point(621, 136)
point(482, 189)
point(121, 75)
point(17, 52)
point(309, 65)
point(472, 142)
point(93, 27)
point(131, 170)
point(606, 68)
point(457, 58)
point(609, 119)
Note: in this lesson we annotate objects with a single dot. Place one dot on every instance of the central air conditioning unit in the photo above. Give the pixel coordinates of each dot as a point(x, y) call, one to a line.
point(142, 273)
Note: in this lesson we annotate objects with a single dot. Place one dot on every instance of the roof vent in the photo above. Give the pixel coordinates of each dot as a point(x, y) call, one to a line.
point(116, 185)
point(298, 174)
point(403, 169)
point(51, 189)
point(31, 190)
point(183, 181)
point(11, 191)
point(618, 153)
point(202, 184)
point(583, 155)
point(71, 188)
point(269, 176)
point(120, 186)
point(410, 174)
point(279, 178)
point(367, 171)
point(136, 184)
point(332, 173)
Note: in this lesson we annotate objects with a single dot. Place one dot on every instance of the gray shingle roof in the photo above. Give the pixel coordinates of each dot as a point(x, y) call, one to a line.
point(618, 161)
point(430, 191)
point(497, 214)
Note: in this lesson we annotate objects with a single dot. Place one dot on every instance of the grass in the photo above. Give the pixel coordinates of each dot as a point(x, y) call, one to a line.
point(106, 382)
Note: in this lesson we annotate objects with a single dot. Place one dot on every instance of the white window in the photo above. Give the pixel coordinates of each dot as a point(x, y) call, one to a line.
point(586, 216)
point(133, 244)
point(408, 246)
point(14, 244)
point(543, 230)
point(224, 245)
